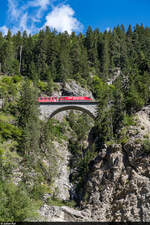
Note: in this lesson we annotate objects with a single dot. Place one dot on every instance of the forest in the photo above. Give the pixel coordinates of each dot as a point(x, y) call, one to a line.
point(31, 66)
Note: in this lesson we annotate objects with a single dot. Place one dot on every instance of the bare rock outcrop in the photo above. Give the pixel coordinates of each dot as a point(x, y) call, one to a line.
point(62, 184)
point(63, 214)
point(71, 87)
point(118, 186)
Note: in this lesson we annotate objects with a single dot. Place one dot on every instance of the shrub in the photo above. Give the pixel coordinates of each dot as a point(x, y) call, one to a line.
point(42, 86)
point(146, 136)
point(128, 120)
point(146, 146)
point(39, 190)
point(124, 140)
point(15, 205)
point(9, 131)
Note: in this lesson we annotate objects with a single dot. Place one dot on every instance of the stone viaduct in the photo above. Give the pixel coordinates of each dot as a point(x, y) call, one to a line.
point(48, 110)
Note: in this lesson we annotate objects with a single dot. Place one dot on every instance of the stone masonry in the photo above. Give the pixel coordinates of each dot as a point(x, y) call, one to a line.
point(49, 110)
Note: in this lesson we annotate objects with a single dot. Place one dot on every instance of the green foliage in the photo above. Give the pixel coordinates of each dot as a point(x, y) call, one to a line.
point(146, 146)
point(91, 59)
point(81, 155)
point(146, 136)
point(123, 136)
point(8, 158)
point(128, 120)
point(100, 88)
point(104, 121)
point(15, 205)
point(55, 129)
point(49, 85)
point(80, 125)
point(80, 80)
point(38, 190)
point(28, 119)
point(134, 100)
point(9, 131)
point(48, 151)
point(123, 140)
point(42, 86)
point(9, 86)
point(7, 118)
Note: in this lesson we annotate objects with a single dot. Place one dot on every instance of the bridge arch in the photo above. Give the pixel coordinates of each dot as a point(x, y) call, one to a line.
point(47, 111)
point(68, 107)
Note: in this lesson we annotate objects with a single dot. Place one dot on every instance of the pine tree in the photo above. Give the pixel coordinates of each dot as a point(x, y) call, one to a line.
point(105, 64)
point(28, 121)
point(91, 43)
point(10, 65)
point(63, 63)
point(49, 83)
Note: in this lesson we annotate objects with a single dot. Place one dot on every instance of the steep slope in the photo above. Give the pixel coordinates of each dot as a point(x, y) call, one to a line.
point(118, 187)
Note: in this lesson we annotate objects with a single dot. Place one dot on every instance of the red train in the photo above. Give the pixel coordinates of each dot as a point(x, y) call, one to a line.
point(64, 99)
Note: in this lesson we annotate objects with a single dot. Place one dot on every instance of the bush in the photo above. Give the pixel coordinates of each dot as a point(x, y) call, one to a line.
point(15, 205)
point(128, 120)
point(134, 101)
point(146, 146)
point(9, 131)
point(42, 86)
point(39, 190)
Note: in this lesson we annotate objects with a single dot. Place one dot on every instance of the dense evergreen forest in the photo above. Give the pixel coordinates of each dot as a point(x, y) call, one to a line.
point(31, 65)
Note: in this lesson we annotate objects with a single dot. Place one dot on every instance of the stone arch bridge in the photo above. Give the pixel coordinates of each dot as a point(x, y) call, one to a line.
point(48, 110)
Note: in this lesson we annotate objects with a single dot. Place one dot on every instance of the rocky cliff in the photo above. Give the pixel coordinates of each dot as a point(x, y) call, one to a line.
point(118, 185)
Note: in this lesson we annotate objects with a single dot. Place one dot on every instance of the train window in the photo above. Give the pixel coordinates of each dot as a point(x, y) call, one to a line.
point(41, 98)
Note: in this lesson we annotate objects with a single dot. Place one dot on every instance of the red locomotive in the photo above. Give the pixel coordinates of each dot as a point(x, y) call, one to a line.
point(64, 99)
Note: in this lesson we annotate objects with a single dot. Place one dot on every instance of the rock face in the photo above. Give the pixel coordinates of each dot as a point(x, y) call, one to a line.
point(72, 88)
point(118, 190)
point(118, 187)
point(62, 184)
point(1, 103)
point(63, 214)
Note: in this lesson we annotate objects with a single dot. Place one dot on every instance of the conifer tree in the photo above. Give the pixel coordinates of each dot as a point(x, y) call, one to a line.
point(10, 64)
point(91, 43)
point(105, 64)
point(49, 83)
point(28, 120)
